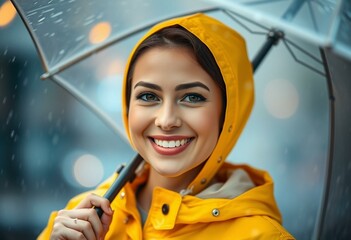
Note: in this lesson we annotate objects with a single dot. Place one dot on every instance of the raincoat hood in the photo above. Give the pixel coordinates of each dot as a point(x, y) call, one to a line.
point(229, 51)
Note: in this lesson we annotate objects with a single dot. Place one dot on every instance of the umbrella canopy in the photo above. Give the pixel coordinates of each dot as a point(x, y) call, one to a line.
point(326, 23)
point(83, 48)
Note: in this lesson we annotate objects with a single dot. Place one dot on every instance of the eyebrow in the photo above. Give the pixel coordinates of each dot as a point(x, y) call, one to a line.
point(148, 85)
point(178, 88)
point(191, 85)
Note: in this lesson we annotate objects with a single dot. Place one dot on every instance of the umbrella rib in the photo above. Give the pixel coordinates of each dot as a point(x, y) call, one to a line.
point(313, 17)
point(285, 41)
point(263, 2)
point(77, 58)
point(90, 105)
point(234, 16)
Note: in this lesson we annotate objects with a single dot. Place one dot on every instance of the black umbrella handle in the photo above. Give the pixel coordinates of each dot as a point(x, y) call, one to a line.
point(273, 38)
point(125, 174)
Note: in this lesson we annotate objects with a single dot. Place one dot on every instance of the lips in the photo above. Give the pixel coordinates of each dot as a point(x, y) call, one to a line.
point(170, 145)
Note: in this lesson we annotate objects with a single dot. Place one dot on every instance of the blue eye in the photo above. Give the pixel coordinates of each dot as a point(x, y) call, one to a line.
point(193, 98)
point(148, 97)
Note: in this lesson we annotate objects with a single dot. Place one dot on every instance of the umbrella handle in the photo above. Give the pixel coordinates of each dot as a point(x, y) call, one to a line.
point(125, 174)
point(273, 38)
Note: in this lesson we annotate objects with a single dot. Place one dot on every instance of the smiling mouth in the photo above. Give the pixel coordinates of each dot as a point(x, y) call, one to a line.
point(172, 143)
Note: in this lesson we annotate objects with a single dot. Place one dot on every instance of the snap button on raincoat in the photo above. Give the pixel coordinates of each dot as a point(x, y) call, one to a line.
point(234, 201)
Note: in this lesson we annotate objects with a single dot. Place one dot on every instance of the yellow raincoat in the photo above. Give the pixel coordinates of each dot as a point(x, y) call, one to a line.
point(224, 201)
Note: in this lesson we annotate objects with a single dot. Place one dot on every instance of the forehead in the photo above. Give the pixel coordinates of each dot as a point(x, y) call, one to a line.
point(170, 63)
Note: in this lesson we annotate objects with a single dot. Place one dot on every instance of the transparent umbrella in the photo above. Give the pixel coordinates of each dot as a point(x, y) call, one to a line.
point(83, 48)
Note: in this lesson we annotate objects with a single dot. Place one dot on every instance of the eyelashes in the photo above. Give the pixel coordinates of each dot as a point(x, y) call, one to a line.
point(147, 97)
point(193, 98)
point(150, 97)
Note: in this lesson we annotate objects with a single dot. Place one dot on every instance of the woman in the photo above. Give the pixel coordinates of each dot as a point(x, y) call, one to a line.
point(188, 91)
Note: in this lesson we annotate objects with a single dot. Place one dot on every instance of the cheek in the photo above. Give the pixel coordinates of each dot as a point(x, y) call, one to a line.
point(205, 122)
point(136, 122)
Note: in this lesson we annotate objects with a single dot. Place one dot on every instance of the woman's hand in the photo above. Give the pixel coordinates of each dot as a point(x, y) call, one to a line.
point(83, 221)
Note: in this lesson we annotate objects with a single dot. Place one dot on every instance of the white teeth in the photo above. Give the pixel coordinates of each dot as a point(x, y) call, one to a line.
point(171, 144)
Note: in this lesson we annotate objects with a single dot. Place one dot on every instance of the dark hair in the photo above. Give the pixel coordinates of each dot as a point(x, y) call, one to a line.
point(177, 36)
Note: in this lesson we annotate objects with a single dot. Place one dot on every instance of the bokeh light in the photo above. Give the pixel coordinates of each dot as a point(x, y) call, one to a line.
point(100, 32)
point(281, 98)
point(7, 13)
point(88, 170)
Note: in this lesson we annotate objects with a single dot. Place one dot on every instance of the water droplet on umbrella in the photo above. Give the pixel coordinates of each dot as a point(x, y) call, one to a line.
point(9, 117)
point(41, 19)
point(58, 20)
point(50, 116)
point(55, 139)
point(56, 14)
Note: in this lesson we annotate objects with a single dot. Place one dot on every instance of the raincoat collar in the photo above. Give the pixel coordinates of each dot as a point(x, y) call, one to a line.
point(229, 51)
point(256, 198)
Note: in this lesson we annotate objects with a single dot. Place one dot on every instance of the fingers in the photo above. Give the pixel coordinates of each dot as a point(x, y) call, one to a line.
point(87, 221)
point(106, 222)
point(68, 228)
point(83, 221)
point(93, 200)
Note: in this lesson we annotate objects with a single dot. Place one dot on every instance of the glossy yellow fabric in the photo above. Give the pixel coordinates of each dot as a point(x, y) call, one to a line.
point(251, 215)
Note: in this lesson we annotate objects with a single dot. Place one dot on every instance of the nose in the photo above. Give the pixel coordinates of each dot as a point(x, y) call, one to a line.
point(167, 117)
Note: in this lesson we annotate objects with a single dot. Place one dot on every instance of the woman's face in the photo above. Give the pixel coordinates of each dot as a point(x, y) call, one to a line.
point(174, 112)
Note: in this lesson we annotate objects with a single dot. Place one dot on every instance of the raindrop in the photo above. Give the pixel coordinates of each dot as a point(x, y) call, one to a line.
point(55, 139)
point(13, 157)
point(32, 102)
point(48, 10)
point(41, 19)
point(50, 116)
point(62, 52)
point(58, 20)
point(25, 81)
point(58, 123)
point(4, 100)
point(56, 14)
point(81, 37)
point(9, 117)
point(52, 34)
point(13, 59)
point(24, 188)
point(86, 23)
point(5, 52)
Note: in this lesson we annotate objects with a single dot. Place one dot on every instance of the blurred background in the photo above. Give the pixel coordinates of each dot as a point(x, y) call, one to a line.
point(52, 147)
